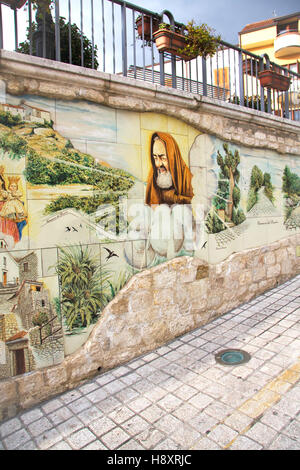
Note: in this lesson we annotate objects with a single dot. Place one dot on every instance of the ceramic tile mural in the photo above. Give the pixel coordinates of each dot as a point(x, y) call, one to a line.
point(92, 195)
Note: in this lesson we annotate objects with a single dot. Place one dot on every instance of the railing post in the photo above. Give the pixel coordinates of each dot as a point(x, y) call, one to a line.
point(204, 76)
point(124, 40)
point(241, 79)
point(286, 102)
point(57, 32)
point(1, 28)
point(16, 28)
point(262, 93)
point(162, 68)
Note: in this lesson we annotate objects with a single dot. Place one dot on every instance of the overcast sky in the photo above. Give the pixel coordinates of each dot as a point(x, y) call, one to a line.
point(227, 17)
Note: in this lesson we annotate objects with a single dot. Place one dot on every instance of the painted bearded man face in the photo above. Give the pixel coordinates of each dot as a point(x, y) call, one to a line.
point(159, 154)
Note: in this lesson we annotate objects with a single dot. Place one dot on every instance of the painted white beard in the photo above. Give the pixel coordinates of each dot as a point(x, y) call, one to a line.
point(164, 180)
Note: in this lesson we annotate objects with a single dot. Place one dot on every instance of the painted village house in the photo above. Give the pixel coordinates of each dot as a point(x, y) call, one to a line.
point(27, 113)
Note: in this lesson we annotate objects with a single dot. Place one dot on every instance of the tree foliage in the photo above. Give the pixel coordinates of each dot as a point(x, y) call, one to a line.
point(290, 182)
point(258, 180)
point(77, 37)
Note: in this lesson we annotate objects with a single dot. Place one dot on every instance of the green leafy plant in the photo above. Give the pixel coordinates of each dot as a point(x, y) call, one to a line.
point(201, 40)
point(76, 36)
point(83, 282)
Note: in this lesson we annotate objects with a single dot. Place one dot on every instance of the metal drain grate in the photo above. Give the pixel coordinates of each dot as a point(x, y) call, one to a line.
point(232, 357)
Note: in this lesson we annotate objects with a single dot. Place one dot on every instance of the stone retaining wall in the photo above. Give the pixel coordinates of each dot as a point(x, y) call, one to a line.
point(154, 307)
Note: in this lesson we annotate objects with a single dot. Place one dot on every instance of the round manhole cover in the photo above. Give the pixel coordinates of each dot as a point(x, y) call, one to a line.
point(232, 357)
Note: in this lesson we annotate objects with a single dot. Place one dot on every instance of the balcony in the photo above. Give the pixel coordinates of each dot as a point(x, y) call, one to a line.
point(287, 45)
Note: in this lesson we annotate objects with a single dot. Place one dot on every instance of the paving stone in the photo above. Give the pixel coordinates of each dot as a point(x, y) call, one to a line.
point(51, 406)
point(95, 445)
point(135, 425)
point(62, 445)
point(68, 427)
point(15, 440)
point(40, 426)
point(9, 427)
point(244, 443)
point(205, 444)
point(222, 434)
point(102, 426)
point(262, 434)
point(48, 439)
point(79, 405)
point(60, 415)
point(168, 444)
point(31, 416)
point(81, 438)
point(115, 438)
point(153, 413)
point(150, 437)
point(283, 442)
point(90, 414)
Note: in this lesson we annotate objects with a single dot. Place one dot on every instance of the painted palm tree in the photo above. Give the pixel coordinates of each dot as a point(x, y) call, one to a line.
point(83, 283)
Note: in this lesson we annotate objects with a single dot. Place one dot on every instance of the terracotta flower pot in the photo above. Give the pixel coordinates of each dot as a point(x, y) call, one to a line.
point(271, 79)
point(169, 41)
point(14, 3)
point(147, 27)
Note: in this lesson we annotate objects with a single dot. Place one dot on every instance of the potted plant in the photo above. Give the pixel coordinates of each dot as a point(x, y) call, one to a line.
point(147, 26)
point(189, 42)
point(271, 79)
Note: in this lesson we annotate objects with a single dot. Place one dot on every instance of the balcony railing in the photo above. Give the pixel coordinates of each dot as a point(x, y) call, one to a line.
point(103, 35)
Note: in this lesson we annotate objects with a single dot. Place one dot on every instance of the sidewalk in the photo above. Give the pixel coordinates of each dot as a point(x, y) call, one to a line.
point(179, 397)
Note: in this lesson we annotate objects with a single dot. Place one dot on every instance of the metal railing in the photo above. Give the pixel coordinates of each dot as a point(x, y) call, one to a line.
point(105, 35)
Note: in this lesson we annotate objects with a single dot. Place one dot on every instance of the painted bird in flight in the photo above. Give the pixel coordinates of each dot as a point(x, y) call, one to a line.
point(110, 253)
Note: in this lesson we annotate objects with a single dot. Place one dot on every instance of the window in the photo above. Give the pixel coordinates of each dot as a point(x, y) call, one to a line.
point(25, 267)
point(4, 261)
point(287, 27)
point(43, 303)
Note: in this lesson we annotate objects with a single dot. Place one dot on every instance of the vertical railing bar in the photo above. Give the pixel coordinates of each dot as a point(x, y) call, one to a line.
point(44, 33)
point(103, 35)
point(57, 32)
point(211, 78)
point(1, 28)
point(16, 28)
point(81, 34)
point(262, 91)
point(182, 73)
point(218, 81)
point(204, 75)
point(246, 80)
point(143, 46)
point(229, 73)
point(251, 71)
point(161, 68)
point(124, 39)
point(223, 74)
point(114, 37)
point(70, 33)
point(152, 58)
point(286, 102)
point(197, 74)
point(241, 79)
point(30, 26)
point(93, 38)
point(235, 78)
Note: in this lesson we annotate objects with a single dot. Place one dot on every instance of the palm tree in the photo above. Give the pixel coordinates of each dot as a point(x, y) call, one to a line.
point(83, 283)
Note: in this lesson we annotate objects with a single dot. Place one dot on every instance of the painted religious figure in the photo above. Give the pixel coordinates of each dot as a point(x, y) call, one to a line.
point(12, 213)
point(169, 180)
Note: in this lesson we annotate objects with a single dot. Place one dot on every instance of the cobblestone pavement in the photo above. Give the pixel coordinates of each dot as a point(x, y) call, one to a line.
point(179, 397)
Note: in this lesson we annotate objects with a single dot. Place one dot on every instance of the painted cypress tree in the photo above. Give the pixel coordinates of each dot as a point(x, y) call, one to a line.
point(228, 165)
